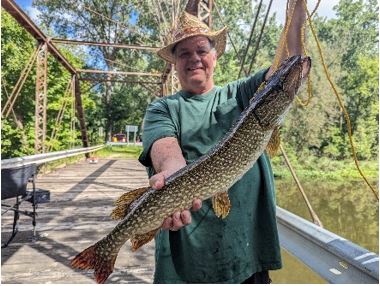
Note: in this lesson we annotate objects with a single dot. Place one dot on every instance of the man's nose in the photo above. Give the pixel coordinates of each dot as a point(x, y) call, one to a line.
point(195, 57)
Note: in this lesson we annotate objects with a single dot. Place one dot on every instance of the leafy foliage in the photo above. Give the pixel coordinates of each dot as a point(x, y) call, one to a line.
point(18, 128)
point(349, 42)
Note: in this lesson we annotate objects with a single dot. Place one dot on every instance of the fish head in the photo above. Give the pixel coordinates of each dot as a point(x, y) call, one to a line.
point(275, 100)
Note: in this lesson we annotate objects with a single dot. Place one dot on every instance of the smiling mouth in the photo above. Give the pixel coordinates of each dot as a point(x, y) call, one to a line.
point(194, 69)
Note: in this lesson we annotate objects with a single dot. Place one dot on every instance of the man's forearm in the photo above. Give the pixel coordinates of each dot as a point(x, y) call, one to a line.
point(292, 44)
point(294, 35)
point(167, 156)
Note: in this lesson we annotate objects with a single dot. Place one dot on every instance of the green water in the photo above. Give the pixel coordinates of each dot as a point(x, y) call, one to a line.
point(348, 209)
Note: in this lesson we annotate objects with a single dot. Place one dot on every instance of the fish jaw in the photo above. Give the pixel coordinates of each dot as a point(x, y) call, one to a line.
point(274, 103)
point(295, 76)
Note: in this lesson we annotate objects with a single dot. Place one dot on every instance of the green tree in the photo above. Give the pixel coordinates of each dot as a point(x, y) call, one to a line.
point(354, 34)
point(18, 129)
point(349, 43)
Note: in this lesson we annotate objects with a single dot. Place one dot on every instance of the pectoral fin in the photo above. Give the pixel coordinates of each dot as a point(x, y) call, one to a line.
point(141, 239)
point(274, 142)
point(125, 201)
point(221, 204)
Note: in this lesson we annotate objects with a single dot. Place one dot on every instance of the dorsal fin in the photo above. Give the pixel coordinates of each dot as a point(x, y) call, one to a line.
point(125, 201)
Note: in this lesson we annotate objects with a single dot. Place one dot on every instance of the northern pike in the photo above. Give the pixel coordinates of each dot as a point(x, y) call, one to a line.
point(143, 211)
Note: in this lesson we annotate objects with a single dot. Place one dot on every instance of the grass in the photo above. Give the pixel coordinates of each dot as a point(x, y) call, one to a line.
point(311, 168)
point(114, 152)
point(120, 152)
point(307, 169)
point(326, 169)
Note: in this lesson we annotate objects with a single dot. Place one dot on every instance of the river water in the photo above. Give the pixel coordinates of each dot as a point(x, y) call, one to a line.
point(348, 209)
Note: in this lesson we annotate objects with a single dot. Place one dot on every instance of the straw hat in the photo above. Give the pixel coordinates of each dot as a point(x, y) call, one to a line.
point(190, 26)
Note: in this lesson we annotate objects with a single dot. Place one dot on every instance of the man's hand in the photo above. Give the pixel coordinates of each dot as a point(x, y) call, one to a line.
point(293, 40)
point(180, 218)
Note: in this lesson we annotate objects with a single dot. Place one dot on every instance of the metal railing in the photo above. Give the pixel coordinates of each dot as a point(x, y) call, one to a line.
point(334, 258)
point(46, 157)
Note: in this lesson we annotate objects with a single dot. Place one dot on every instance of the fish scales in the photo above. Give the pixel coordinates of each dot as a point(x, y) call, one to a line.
point(213, 173)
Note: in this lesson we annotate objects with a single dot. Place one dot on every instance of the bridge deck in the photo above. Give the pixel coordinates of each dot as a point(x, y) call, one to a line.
point(81, 199)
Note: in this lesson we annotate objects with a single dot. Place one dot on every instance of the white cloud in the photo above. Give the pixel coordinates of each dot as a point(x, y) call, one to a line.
point(33, 13)
point(279, 6)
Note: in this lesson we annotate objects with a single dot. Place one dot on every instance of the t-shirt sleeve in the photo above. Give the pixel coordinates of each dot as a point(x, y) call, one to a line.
point(157, 124)
point(246, 88)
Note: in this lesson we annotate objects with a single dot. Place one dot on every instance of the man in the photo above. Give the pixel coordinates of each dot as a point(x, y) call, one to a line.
point(198, 246)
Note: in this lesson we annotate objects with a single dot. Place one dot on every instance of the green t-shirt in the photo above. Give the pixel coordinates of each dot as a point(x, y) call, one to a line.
point(210, 249)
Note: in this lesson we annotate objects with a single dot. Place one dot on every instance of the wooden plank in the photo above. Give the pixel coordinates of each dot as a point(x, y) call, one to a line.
point(77, 216)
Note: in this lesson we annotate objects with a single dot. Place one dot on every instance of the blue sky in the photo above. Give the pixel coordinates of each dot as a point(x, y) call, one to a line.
point(325, 8)
point(278, 6)
point(24, 4)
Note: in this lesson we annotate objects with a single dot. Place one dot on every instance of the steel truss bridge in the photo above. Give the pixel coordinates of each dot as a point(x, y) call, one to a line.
point(334, 258)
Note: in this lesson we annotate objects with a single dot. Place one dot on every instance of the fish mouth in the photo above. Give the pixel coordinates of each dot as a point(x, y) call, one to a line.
point(297, 71)
point(271, 104)
point(306, 67)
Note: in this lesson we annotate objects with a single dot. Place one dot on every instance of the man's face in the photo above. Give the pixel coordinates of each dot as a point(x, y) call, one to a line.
point(195, 64)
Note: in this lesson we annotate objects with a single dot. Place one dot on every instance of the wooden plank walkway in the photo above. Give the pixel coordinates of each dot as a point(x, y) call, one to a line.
point(77, 215)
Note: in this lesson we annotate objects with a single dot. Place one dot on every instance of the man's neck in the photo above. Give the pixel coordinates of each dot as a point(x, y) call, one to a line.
point(200, 90)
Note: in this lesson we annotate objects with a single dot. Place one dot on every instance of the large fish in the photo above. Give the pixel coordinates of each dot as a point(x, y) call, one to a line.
point(142, 211)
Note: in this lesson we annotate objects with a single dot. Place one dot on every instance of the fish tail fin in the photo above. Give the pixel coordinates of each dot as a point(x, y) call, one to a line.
point(125, 200)
point(90, 258)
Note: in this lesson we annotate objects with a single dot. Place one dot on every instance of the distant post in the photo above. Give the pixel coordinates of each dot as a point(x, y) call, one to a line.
point(134, 129)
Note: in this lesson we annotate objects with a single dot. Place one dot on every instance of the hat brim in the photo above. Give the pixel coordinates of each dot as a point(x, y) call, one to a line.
point(218, 38)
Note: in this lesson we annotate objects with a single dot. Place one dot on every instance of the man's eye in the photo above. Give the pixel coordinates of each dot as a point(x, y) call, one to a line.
point(202, 52)
point(183, 55)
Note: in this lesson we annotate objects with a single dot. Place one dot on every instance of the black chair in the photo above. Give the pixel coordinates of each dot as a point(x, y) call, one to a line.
point(13, 185)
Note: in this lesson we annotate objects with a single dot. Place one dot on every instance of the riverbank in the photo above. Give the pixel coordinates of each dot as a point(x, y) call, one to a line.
point(310, 168)
point(314, 168)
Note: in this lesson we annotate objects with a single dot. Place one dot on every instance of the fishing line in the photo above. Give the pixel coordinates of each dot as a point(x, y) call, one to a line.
point(309, 91)
point(284, 45)
point(340, 100)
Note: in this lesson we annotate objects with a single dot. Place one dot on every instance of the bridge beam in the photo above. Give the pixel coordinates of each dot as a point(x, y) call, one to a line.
point(80, 114)
point(41, 100)
point(23, 19)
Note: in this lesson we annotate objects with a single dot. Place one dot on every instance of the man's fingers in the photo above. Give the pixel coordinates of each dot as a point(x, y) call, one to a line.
point(197, 204)
point(177, 221)
point(186, 217)
point(168, 223)
point(180, 218)
point(157, 181)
